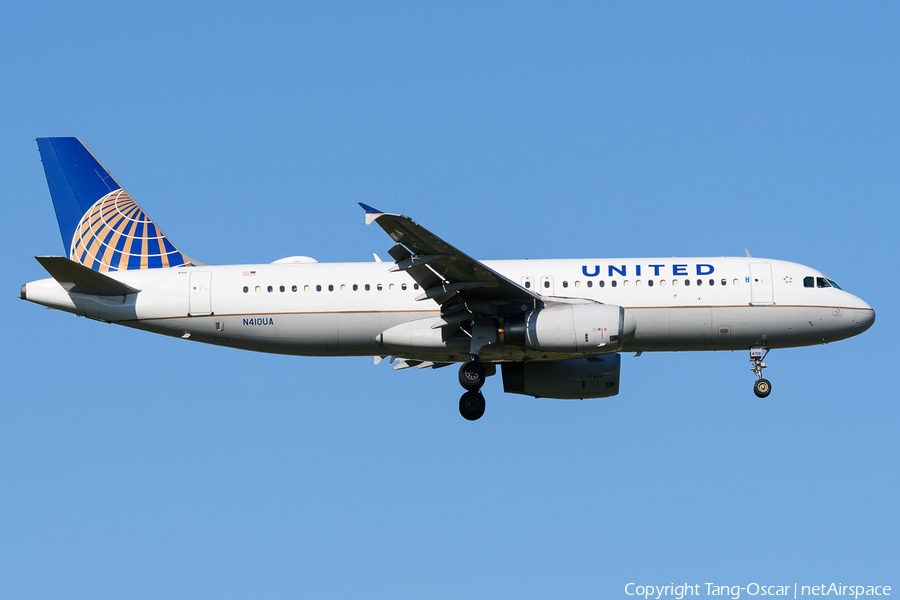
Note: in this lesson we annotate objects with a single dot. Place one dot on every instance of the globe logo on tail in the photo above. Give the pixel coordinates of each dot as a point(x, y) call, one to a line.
point(115, 234)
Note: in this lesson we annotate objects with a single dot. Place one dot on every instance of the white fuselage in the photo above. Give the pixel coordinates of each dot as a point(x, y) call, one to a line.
point(339, 309)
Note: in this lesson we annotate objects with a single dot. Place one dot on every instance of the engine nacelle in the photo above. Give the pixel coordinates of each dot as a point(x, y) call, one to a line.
point(595, 328)
point(591, 377)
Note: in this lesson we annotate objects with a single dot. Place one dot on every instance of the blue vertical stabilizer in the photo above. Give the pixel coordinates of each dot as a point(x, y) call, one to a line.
point(102, 227)
point(76, 180)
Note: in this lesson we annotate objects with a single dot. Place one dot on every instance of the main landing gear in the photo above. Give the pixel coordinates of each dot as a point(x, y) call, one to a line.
point(762, 387)
point(471, 376)
point(471, 406)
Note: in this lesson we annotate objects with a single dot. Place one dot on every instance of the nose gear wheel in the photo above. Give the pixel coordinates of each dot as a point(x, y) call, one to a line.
point(762, 387)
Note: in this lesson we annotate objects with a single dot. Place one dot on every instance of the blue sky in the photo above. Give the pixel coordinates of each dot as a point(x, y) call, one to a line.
point(138, 466)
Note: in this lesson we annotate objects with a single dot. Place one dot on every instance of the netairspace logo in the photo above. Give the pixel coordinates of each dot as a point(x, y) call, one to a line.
point(678, 592)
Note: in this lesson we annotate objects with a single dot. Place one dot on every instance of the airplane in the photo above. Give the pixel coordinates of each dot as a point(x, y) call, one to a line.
point(557, 328)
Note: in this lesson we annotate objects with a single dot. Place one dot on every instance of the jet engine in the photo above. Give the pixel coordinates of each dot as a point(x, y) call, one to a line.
point(595, 328)
point(592, 377)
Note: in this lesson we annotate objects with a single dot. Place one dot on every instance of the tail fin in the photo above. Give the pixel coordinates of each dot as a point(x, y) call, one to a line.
point(102, 227)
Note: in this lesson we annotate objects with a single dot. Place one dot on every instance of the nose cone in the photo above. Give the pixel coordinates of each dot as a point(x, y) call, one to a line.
point(863, 315)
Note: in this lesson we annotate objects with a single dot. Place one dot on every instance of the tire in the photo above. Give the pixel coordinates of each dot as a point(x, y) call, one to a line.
point(762, 388)
point(471, 406)
point(471, 375)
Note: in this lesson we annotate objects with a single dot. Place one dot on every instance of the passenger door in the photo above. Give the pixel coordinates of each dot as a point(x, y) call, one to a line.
point(761, 292)
point(200, 300)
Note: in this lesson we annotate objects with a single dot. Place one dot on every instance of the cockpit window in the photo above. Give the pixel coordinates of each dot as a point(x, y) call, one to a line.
point(809, 282)
point(824, 282)
point(833, 284)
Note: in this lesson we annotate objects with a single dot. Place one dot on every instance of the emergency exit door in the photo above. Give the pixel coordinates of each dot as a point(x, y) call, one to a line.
point(546, 288)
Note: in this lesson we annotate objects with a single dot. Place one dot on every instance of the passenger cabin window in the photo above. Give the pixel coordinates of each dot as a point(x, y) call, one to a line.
point(546, 284)
point(379, 287)
point(565, 284)
point(650, 282)
point(723, 282)
point(612, 283)
point(403, 287)
point(270, 288)
point(281, 288)
point(590, 283)
point(246, 289)
point(330, 287)
point(355, 287)
point(602, 283)
point(293, 288)
point(367, 287)
point(527, 285)
point(415, 286)
point(318, 288)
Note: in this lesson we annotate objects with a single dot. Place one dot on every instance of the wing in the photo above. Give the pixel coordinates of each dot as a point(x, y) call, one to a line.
point(465, 288)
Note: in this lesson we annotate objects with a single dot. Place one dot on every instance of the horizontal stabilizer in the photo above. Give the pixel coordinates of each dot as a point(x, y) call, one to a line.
point(78, 279)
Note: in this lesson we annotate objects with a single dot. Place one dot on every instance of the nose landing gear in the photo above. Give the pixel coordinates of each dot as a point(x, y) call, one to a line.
point(471, 376)
point(762, 387)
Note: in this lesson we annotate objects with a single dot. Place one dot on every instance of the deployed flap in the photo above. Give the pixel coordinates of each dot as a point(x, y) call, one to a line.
point(444, 271)
point(78, 279)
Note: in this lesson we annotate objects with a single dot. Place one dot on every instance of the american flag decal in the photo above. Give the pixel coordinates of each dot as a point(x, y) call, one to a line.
point(249, 273)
